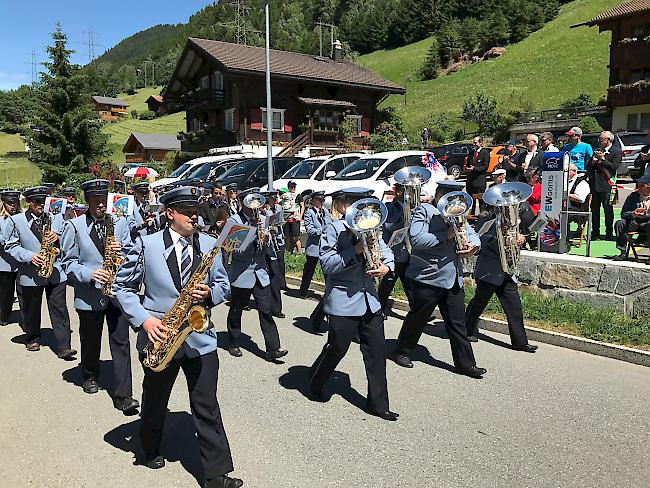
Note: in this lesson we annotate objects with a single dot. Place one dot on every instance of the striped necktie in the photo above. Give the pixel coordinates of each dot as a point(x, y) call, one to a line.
point(186, 261)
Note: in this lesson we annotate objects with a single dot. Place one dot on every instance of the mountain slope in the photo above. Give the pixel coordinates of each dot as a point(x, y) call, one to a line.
point(550, 66)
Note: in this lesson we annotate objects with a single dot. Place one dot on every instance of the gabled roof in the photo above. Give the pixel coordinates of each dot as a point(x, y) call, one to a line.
point(242, 59)
point(156, 141)
point(110, 101)
point(631, 7)
point(157, 98)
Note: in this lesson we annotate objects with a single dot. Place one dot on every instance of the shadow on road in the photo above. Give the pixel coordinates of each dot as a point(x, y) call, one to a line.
point(178, 444)
point(494, 341)
point(245, 342)
point(297, 378)
point(420, 354)
point(304, 324)
point(47, 339)
point(105, 380)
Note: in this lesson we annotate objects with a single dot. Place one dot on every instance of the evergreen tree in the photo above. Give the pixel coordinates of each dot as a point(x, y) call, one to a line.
point(65, 138)
point(429, 69)
point(449, 44)
point(482, 110)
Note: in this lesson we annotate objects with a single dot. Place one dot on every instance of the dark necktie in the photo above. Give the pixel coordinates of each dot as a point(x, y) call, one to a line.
point(186, 261)
point(37, 227)
point(100, 228)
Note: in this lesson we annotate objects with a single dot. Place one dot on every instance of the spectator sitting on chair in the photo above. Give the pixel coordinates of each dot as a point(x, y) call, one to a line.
point(547, 142)
point(529, 209)
point(498, 177)
point(635, 216)
point(578, 193)
point(601, 169)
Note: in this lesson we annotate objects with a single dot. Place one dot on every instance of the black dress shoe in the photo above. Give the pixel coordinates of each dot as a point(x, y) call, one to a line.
point(235, 351)
point(525, 348)
point(128, 405)
point(223, 481)
point(90, 386)
point(317, 395)
point(246, 308)
point(279, 315)
point(387, 415)
point(33, 346)
point(473, 372)
point(155, 462)
point(473, 338)
point(3, 323)
point(275, 354)
point(403, 360)
point(67, 355)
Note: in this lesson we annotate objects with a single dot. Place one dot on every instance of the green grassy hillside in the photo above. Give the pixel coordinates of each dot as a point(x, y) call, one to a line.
point(120, 131)
point(16, 171)
point(552, 65)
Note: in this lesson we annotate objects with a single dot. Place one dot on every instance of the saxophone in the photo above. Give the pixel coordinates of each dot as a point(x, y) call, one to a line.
point(181, 320)
point(112, 260)
point(48, 251)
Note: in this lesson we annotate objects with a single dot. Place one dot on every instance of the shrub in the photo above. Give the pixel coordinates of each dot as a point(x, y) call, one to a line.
point(147, 115)
point(134, 114)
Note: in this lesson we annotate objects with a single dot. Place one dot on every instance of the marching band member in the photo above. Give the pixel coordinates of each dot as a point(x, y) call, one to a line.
point(315, 218)
point(436, 272)
point(83, 245)
point(141, 221)
point(249, 274)
point(490, 279)
point(353, 306)
point(395, 221)
point(231, 198)
point(164, 262)
point(9, 205)
point(276, 256)
point(23, 243)
point(70, 195)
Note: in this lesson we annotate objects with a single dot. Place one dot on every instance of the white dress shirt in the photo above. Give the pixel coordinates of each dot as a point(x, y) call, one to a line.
point(581, 191)
point(178, 247)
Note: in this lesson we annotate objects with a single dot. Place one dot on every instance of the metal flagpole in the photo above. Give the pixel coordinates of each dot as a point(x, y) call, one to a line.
point(269, 114)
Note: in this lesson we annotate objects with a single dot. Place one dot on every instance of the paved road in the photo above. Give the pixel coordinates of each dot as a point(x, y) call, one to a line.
point(558, 418)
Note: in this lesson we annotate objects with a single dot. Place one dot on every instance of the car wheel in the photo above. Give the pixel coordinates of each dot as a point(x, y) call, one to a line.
point(454, 171)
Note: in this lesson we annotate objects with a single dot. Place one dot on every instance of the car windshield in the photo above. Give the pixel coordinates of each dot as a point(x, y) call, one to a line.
point(360, 169)
point(240, 170)
point(634, 139)
point(180, 170)
point(202, 171)
point(302, 170)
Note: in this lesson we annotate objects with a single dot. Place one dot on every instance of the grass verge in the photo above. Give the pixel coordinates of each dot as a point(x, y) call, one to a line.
point(554, 314)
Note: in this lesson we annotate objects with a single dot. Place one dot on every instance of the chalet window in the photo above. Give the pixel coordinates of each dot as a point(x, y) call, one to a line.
point(645, 121)
point(205, 82)
point(357, 119)
point(229, 122)
point(326, 120)
point(632, 121)
point(277, 115)
point(217, 80)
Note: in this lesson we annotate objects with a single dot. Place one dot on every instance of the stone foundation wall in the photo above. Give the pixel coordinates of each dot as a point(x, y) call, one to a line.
point(599, 282)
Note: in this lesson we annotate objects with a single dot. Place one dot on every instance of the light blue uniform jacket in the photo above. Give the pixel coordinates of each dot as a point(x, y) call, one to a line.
point(7, 263)
point(395, 221)
point(21, 244)
point(350, 292)
point(434, 260)
point(152, 263)
point(250, 265)
point(314, 230)
point(82, 256)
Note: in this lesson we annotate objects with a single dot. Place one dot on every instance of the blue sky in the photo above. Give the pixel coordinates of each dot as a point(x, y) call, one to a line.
point(26, 25)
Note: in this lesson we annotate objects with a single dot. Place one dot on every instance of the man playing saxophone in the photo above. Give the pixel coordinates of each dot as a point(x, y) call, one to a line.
point(27, 241)
point(85, 245)
point(164, 263)
point(436, 275)
point(491, 278)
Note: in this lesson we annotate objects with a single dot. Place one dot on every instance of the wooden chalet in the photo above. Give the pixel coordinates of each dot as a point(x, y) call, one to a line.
point(157, 104)
point(628, 94)
point(146, 148)
point(110, 109)
point(222, 88)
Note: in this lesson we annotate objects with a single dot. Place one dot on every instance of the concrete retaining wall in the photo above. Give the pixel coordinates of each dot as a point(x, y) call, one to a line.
point(599, 282)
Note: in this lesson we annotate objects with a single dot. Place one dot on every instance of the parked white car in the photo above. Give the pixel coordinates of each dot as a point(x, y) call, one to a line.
point(373, 171)
point(189, 167)
point(310, 173)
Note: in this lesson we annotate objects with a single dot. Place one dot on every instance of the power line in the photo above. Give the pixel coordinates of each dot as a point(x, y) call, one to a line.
point(320, 25)
point(92, 43)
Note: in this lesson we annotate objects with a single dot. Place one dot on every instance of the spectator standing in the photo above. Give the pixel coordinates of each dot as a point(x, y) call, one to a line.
point(209, 208)
point(580, 152)
point(643, 159)
point(601, 169)
point(635, 215)
point(547, 142)
point(531, 160)
point(424, 135)
point(509, 163)
point(293, 208)
point(476, 167)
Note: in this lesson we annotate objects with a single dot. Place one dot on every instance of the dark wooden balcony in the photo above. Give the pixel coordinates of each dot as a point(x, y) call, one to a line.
point(205, 96)
point(631, 54)
point(622, 96)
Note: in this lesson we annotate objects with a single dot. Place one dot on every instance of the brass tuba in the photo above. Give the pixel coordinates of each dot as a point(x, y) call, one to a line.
point(255, 201)
point(48, 251)
point(506, 198)
point(365, 218)
point(411, 178)
point(454, 207)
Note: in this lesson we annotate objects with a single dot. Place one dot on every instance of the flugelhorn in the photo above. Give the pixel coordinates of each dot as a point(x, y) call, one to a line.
point(454, 208)
point(506, 198)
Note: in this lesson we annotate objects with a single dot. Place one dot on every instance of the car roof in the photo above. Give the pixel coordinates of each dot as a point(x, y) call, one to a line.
point(393, 154)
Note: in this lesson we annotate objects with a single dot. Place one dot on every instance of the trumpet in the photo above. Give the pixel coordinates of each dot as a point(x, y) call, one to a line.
point(255, 201)
point(454, 208)
point(365, 218)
